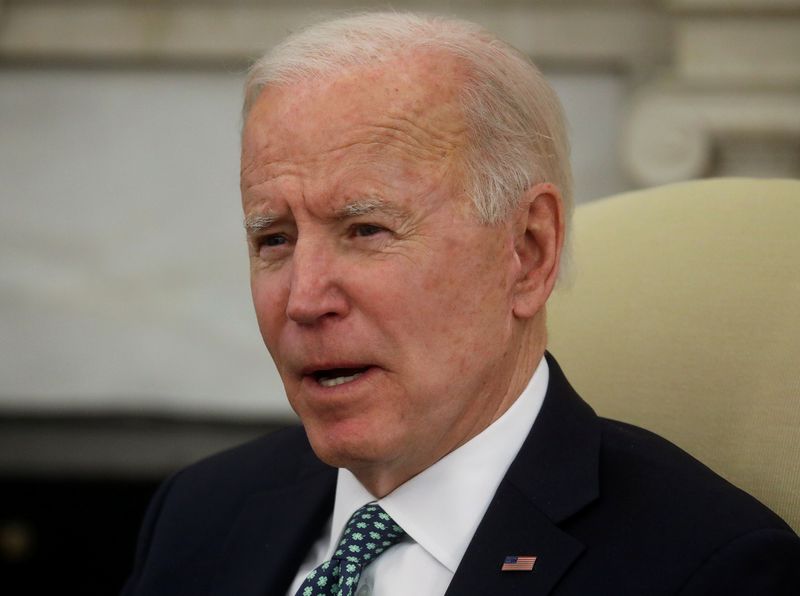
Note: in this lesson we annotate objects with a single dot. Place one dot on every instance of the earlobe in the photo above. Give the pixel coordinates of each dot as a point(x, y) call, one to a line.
point(539, 236)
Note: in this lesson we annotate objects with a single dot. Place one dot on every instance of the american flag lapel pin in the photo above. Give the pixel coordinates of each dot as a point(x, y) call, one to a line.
point(518, 563)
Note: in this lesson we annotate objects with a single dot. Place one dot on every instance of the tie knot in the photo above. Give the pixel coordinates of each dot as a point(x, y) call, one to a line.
point(369, 532)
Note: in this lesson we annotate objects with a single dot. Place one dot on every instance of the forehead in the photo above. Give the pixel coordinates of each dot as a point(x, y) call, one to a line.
point(408, 107)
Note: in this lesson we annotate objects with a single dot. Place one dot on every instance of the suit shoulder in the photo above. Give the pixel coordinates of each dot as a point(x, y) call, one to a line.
point(288, 440)
point(636, 461)
point(201, 500)
point(657, 504)
point(279, 457)
point(760, 562)
point(194, 512)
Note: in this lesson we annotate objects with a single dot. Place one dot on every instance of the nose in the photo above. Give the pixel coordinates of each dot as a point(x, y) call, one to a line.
point(315, 291)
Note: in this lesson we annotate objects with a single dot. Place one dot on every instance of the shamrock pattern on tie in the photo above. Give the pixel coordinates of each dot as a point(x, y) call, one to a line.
point(369, 532)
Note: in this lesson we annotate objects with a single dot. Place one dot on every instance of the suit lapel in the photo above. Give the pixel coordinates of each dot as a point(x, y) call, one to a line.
point(272, 535)
point(504, 532)
point(554, 476)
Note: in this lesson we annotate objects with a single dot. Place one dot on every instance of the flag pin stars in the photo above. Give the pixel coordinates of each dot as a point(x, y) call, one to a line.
point(518, 563)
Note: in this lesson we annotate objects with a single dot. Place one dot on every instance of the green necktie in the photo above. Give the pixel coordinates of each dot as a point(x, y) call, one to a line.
point(369, 532)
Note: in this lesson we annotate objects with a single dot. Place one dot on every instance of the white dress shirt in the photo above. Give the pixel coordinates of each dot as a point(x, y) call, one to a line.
point(439, 509)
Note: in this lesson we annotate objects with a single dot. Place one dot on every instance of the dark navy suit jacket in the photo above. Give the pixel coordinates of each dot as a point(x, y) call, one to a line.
point(607, 509)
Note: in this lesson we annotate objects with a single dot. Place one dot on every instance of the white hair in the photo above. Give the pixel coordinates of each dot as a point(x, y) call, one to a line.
point(516, 133)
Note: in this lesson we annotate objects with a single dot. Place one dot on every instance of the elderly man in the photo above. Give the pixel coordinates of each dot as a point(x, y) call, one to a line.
point(405, 186)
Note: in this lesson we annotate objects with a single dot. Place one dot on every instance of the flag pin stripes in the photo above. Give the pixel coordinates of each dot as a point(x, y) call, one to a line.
point(518, 563)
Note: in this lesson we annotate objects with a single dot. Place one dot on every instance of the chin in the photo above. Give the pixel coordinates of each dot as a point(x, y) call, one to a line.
point(344, 448)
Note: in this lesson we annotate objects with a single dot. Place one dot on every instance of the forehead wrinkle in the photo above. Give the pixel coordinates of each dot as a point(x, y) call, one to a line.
point(402, 133)
point(445, 137)
point(261, 169)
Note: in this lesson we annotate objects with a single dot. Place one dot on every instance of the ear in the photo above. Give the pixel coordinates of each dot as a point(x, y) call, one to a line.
point(538, 240)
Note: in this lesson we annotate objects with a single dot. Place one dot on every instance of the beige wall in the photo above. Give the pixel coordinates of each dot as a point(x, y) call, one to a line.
point(122, 265)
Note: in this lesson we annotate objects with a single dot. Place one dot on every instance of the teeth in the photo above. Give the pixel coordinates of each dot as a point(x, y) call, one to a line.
point(334, 381)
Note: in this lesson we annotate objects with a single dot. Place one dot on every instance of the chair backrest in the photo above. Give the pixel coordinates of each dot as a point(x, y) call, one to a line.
point(683, 316)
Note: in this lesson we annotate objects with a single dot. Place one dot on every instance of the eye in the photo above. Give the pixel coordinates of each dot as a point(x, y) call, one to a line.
point(270, 246)
point(367, 230)
point(273, 240)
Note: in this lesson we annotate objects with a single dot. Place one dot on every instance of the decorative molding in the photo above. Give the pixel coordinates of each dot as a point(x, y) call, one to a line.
point(729, 101)
point(610, 33)
point(674, 131)
point(750, 49)
point(730, 6)
point(717, 53)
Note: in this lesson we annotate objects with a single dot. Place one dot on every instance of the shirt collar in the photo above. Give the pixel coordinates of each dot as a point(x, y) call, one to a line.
point(441, 507)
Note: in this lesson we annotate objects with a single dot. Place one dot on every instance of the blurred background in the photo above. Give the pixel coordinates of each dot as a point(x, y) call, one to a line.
point(128, 346)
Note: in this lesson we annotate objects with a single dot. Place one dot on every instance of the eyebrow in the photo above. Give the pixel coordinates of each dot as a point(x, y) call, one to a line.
point(253, 224)
point(365, 207)
point(359, 207)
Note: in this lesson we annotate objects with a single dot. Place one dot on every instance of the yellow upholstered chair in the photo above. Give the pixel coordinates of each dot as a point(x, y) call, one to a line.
point(683, 316)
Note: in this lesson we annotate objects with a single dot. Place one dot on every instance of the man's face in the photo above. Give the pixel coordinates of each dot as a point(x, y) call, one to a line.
point(384, 303)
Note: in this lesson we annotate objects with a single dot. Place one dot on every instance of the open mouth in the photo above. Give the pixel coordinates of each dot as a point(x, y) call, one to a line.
point(338, 376)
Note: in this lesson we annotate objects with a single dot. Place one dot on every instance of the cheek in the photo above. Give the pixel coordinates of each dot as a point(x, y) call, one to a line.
point(470, 305)
point(269, 301)
point(470, 280)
